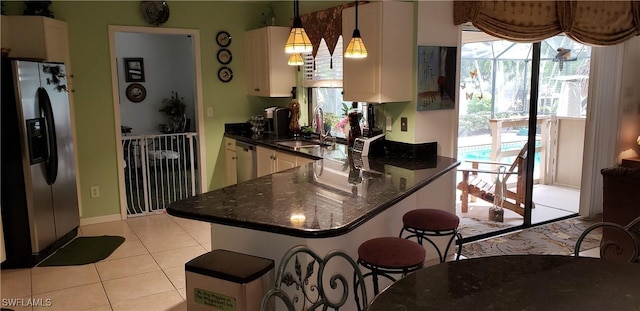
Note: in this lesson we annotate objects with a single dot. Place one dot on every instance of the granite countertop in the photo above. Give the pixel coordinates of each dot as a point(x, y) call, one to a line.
point(329, 197)
point(269, 141)
point(516, 282)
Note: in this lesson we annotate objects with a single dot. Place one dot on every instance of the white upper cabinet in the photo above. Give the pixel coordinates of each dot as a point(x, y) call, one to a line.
point(386, 75)
point(38, 37)
point(267, 71)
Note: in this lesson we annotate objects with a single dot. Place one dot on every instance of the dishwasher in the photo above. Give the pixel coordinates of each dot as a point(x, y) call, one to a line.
point(246, 163)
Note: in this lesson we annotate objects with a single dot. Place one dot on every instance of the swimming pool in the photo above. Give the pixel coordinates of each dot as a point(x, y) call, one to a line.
point(483, 153)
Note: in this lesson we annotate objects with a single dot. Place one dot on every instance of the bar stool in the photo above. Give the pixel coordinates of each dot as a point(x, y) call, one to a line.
point(389, 255)
point(425, 223)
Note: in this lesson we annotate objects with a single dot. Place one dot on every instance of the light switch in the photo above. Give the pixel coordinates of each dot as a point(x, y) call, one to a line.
point(209, 112)
point(403, 124)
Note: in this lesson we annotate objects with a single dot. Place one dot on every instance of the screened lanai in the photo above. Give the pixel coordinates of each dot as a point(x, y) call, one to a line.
point(495, 87)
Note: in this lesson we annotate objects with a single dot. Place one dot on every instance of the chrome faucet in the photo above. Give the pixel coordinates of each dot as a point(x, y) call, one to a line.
point(318, 119)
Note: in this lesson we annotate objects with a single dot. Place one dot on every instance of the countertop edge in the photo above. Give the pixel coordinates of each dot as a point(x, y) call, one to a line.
point(324, 233)
point(271, 145)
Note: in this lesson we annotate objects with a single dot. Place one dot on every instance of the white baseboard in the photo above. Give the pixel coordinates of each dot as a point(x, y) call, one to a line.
point(100, 219)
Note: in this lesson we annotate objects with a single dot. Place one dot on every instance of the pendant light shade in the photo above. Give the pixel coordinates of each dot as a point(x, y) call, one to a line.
point(356, 48)
point(295, 59)
point(298, 41)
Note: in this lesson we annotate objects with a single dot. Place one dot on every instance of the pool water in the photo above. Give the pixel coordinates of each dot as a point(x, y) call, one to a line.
point(483, 153)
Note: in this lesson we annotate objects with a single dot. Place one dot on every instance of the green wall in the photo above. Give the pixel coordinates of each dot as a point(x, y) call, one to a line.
point(95, 124)
point(88, 33)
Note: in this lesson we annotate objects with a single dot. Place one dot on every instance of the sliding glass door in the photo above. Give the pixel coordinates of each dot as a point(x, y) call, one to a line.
point(504, 117)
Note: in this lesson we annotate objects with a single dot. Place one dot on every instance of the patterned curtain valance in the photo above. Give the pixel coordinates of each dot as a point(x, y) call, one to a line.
point(325, 24)
point(588, 22)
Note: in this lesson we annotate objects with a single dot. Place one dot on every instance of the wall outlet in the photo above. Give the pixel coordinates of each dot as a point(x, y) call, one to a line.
point(403, 124)
point(95, 191)
point(389, 125)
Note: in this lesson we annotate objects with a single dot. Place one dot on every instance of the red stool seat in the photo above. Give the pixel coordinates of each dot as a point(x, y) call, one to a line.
point(430, 219)
point(425, 223)
point(392, 253)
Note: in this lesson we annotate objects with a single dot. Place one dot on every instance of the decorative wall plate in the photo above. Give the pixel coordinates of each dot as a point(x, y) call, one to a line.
point(136, 92)
point(224, 56)
point(223, 38)
point(225, 74)
point(155, 12)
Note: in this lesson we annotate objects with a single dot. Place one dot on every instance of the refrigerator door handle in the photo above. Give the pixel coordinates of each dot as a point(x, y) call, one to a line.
point(52, 160)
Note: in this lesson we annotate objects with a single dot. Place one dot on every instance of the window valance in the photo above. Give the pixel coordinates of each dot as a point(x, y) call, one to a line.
point(325, 24)
point(588, 22)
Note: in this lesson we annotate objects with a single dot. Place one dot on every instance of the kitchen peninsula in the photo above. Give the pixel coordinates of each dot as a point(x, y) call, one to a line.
point(335, 202)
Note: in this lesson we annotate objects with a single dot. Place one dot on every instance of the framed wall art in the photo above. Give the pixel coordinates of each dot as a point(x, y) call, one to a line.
point(436, 77)
point(134, 69)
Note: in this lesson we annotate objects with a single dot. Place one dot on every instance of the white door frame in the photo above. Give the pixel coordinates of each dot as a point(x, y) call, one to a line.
point(195, 34)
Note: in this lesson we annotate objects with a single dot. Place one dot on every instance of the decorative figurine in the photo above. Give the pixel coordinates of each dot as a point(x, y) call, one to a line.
point(294, 107)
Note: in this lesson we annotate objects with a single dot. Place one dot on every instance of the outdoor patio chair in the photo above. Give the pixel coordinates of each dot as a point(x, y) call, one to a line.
point(473, 184)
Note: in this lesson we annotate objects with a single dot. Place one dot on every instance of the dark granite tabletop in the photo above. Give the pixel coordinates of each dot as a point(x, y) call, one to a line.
point(326, 198)
point(520, 282)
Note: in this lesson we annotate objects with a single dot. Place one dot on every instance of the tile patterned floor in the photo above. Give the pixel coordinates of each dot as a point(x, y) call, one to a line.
point(145, 273)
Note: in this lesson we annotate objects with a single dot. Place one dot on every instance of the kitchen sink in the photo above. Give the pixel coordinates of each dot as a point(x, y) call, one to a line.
point(296, 143)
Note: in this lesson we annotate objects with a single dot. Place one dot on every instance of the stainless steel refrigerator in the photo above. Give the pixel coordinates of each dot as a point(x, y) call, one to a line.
point(39, 195)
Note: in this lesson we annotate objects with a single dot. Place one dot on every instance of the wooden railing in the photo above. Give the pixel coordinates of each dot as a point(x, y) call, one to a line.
point(497, 127)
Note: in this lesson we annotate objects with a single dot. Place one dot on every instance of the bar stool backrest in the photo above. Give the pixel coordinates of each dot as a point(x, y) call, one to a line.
point(301, 282)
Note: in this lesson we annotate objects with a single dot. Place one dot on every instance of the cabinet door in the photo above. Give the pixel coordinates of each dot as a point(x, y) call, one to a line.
point(265, 159)
point(281, 76)
point(285, 161)
point(38, 37)
point(267, 71)
point(229, 143)
point(231, 164)
point(255, 57)
point(386, 75)
point(361, 77)
point(302, 161)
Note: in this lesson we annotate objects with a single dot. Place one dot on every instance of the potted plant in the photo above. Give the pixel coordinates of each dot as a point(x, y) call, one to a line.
point(174, 109)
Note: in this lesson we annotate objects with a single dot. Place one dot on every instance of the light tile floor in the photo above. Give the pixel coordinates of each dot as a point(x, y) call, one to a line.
point(145, 273)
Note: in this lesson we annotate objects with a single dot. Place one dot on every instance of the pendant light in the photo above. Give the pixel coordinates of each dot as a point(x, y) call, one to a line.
point(356, 48)
point(295, 59)
point(298, 41)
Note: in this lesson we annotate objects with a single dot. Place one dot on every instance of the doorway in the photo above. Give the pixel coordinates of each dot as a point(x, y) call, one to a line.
point(153, 68)
point(495, 88)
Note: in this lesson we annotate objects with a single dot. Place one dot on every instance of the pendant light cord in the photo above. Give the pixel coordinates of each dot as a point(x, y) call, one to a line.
point(356, 14)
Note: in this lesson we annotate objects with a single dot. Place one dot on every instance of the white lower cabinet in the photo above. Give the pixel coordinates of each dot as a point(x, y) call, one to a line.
point(231, 161)
point(266, 162)
point(285, 161)
point(302, 161)
point(270, 161)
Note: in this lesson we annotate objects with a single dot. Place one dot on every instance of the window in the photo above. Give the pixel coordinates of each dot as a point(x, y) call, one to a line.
point(323, 81)
point(495, 81)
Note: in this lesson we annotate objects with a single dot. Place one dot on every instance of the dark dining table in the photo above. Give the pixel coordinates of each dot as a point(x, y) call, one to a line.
point(516, 282)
